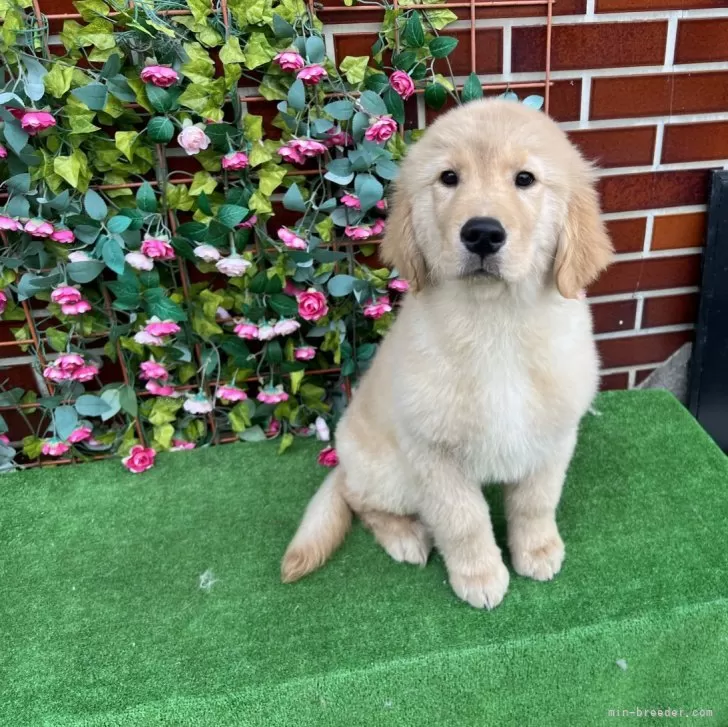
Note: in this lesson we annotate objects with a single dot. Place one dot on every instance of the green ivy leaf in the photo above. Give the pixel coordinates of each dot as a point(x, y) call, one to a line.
point(414, 35)
point(90, 405)
point(95, 206)
point(435, 96)
point(286, 442)
point(340, 110)
point(354, 68)
point(146, 199)
point(231, 215)
point(231, 51)
point(441, 47)
point(297, 95)
point(293, 199)
point(94, 96)
point(58, 80)
point(472, 89)
point(258, 51)
point(113, 255)
point(158, 304)
point(124, 142)
point(372, 103)
point(341, 285)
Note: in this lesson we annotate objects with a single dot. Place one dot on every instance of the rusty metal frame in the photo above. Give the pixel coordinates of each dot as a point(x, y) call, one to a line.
point(163, 177)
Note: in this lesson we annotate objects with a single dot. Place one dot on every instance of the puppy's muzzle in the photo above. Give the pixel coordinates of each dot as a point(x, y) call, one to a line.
point(483, 236)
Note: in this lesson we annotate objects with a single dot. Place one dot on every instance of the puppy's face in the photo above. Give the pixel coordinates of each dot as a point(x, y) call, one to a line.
point(494, 193)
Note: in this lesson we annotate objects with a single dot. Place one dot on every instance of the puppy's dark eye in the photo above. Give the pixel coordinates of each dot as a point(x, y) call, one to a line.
point(449, 178)
point(524, 179)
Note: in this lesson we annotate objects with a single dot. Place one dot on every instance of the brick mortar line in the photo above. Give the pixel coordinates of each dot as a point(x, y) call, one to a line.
point(642, 332)
point(636, 295)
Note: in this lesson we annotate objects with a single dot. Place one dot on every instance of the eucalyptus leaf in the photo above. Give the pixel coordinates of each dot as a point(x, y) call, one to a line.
point(95, 206)
point(94, 95)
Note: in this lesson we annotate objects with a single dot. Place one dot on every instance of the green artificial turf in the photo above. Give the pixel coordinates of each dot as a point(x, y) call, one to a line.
point(103, 621)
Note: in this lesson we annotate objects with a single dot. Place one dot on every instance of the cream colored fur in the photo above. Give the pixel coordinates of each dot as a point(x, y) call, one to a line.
point(482, 379)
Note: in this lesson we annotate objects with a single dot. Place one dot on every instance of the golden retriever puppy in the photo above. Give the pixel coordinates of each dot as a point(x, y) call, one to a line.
point(490, 364)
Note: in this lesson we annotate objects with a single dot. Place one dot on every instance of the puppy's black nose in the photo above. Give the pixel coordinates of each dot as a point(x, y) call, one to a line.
point(483, 235)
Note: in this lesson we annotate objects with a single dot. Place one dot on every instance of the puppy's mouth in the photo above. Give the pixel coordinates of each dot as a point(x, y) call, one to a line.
point(487, 269)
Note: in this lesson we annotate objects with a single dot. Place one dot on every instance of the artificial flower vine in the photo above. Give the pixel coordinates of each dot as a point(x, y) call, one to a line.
point(198, 271)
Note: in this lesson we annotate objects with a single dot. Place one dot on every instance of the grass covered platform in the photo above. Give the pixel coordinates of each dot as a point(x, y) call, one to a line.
point(103, 621)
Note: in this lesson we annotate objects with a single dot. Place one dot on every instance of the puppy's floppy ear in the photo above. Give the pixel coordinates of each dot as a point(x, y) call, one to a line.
point(584, 248)
point(398, 247)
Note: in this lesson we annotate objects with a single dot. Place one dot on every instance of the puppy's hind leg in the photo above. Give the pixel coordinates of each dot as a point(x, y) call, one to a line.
point(402, 536)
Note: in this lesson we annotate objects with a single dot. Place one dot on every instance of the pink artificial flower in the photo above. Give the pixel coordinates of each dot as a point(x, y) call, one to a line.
point(289, 154)
point(155, 327)
point(377, 308)
point(79, 435)
point(208, 253)
point(157, 248)
point(33, 122)
point(307, 147)
point(4, 439)
point(147, 339)
point(286, 327)
point(3, 301)
point(180, 444)
point(266, 332)
point(312, 305)
point(311, 75)
point(290, 61)
point(39, 228)
point(233, 266)
point(298, 150)
point(153, 370)
point(222, 315)
point(54, 447)
point(85, 373)
point(272, 395)
point(381, 130)
point(402, 84)
point(274, 428)
point(66, 294)
point(358, 232)
point(70, 366)
point(161, 76)
point(249, 223)
point(378, 227)
point(8, 223)
point(64, 237)
point(76, 309)
point(349, 200)
point(78, 256)
point(246, 330)
point(328, 457)
point(198, 404)
point(231, 393)
point(69, 361)
point(291, 240)
point(139, 261)
point(235, 160)
point(3, 152)
point(157, 389)
point(337, 137)
point(399, 284)
point(381, 205)
point(304, 353)
point(193, 139)
point(139, 459)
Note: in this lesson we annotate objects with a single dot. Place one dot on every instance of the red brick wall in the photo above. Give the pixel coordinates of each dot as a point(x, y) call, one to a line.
point(641, 86)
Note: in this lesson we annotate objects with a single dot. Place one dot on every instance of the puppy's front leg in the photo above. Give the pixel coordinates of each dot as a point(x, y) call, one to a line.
point(537, 550)
point(455, 512)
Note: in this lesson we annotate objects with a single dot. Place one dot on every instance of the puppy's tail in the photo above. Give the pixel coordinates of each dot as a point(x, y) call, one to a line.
point(322, 530)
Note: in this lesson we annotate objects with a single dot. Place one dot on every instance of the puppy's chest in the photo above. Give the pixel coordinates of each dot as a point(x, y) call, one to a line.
point(503, 408)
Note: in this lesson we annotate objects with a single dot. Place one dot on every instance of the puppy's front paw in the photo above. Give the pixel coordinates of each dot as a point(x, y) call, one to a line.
point(539, 559)
point(484, 588)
